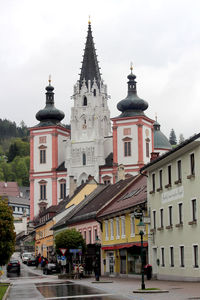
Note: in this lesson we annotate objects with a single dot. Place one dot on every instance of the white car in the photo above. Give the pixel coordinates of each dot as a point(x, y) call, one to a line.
point(26, 256)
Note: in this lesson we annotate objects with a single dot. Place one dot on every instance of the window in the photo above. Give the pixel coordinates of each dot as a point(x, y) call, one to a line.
point(62, 190)
point(180, 213)
point(179, 170)
point(117, 228)
point(127, 131)
point(94, 92)
point(84, 159)
point(132, 225)
point(194, 210)
point(106, 229)
point(127, 148)
point(111, 230)
point(192, 164)
point(169, 176)
point(161, 217)
point(42, 156)
point(160, 178)
point(85, 235)
point(154, 219)
point(123, 227)
point(147, 147)
point(95, 234)
point(90, 237)
point(182, 256)
point(153, 183)
point(170, 216)
point(172, 256)
point(196, 263)
point(42, 139)
point(85, 101)
point(43, 192)
point(162, 257)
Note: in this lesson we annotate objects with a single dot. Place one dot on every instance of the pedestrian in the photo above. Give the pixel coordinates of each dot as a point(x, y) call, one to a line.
point(81, 271)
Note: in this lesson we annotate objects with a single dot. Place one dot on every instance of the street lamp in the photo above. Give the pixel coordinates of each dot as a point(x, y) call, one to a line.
point(141, 228)
point(97, 261)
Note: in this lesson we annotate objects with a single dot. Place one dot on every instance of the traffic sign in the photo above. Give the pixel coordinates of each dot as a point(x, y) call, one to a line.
point(63, 250)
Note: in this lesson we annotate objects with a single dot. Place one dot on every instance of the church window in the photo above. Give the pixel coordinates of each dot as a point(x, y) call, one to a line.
point(62, 190)
point(127, 131)
point(84, 159)
point(127, 148)
point(85, 101)
point(42, 156)
point(95, 92)
point(43, 192)
point(147, 147)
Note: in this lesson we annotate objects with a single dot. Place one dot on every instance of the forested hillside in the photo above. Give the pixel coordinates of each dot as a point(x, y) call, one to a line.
point(14, 152)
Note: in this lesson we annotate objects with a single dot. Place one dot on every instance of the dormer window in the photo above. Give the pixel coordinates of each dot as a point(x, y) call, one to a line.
point(85, 101)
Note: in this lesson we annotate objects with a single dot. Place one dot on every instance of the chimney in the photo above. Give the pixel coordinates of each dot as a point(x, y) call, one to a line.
point(72, 185)
point(154, 155)
point(120, 172)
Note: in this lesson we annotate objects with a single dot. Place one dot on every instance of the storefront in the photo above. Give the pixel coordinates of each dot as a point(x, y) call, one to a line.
point(123, 260)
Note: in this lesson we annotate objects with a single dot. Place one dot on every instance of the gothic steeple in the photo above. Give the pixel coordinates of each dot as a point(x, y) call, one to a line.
point(90, 69)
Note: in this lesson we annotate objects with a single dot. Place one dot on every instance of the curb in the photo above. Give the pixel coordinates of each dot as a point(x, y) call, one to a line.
point(106, 281)
point(7, 292)
point(150, 291)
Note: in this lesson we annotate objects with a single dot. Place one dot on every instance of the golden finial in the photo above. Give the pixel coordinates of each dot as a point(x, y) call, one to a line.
point(131, 67)
point(89, 22)
point(49, 79)
point(156, 117)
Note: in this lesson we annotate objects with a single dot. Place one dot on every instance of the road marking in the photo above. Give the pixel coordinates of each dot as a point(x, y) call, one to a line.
point(80, 296)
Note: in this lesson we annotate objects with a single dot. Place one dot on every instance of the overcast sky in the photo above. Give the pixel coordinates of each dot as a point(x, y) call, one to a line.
point(161, 38)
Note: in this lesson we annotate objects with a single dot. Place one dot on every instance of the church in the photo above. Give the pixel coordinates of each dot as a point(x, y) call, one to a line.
point(94, 146)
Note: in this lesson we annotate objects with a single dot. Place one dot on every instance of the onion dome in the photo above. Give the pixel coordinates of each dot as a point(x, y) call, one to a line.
point(160, 140)
point(132, 105)
point(49, 115)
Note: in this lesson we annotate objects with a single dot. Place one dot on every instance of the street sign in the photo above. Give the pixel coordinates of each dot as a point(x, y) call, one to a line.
point(63, 257)
point(75, 250)
point(63, 250)
point(138, 213)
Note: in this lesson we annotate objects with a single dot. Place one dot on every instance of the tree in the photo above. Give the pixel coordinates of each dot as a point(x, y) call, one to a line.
point(70, 239)
point(181, 138)
point(7, 234)
point(172, 137)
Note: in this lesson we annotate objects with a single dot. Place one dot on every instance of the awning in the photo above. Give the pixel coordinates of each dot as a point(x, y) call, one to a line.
point(121, 246)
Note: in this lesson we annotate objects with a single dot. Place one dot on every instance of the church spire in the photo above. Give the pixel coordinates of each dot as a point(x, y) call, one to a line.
point(90, 69)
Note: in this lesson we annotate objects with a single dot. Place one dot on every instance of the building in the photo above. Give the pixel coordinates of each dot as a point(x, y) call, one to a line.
point(121, 242)
point(90, 147)
point(173, 203)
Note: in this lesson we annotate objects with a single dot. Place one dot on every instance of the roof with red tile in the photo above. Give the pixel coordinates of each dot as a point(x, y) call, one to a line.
point(135, 194)
point(9, 189)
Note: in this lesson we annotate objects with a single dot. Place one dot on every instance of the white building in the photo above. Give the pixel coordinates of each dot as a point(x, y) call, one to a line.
point(173, 203)
point(61, 158)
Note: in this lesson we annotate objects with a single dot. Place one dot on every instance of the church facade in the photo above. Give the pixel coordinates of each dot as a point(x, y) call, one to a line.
point(62, 158)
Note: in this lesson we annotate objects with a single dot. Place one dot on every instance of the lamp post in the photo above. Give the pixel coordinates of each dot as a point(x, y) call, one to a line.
point(141, 227)
point(97, 262)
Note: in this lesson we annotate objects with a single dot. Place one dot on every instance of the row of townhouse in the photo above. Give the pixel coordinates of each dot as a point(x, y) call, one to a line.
point(173, 202)
point(106, 214)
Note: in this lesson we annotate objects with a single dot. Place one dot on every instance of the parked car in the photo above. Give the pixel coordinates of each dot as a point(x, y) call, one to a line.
point(31, 261)
point(51, 268)
point(13, 267)
point(26, 256)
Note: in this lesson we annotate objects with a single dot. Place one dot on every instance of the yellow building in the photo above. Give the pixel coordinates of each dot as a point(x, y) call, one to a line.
point(121, 241)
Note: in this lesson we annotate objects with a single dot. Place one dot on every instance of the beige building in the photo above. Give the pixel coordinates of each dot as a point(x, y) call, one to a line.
point(173, 203)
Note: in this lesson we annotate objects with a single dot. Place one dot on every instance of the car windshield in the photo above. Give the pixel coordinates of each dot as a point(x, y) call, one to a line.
point(14, 261)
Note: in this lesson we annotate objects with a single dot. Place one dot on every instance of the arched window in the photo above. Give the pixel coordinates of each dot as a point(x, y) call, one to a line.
point(85, 101)
point(95, 92)
point(84, 159)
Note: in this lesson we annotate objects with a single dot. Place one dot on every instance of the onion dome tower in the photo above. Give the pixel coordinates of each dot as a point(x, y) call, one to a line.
point(161, 142)
point(132, 105)
point(50, 115)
